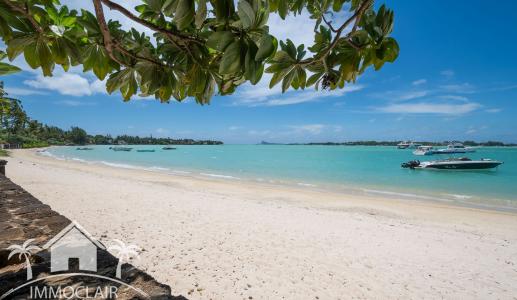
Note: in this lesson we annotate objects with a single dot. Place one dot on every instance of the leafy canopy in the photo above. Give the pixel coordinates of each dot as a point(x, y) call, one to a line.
point(198, 46)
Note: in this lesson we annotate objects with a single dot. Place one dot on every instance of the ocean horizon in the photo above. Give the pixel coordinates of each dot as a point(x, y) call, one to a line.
point(358, 169)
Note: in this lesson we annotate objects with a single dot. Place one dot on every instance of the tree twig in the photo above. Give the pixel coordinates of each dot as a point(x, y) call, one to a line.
point(127, 13)
point(106, 36)
point(339, 31)
point(25, 12)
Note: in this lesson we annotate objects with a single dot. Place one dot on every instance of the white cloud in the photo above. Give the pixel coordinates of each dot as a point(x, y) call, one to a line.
point(454, 97)
point(233, 128)
point(74, 103)
point(412, 95)
point(308, 128)
point(66, 84)
point(312, 129)
point(419, 82)
point(471, 131)
point(493, 110)
point(162, 131)
point(429, 108)
point(13, 91)
point(261, 95)
point(447, 73)
point(465, 88)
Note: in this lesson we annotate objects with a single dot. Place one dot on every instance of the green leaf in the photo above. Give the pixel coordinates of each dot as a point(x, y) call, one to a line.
point(31, 56)
point(220, 40)
point(45, 57)
point(231, 61)
point(287, 80)
point(266, 48)
point(201, 13)
point(313, 79)
point(184, 13)
point(6, 69)
point(246, 14)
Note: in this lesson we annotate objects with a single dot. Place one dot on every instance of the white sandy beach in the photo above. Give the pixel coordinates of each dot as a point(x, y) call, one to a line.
point(215, 239)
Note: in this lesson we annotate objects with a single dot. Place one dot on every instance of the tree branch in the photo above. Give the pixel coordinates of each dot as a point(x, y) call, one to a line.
point(106, 36)
point(25, 12)
point(357, 15)
point(127, 13)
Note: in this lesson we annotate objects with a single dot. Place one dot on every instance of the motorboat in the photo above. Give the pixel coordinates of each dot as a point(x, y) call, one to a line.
point(455, 148)
point(83, 148)
point(169, 148)
point(121, 148)
point(424, 150)
point(145, 150)
point(462, 163)
point(408, 145)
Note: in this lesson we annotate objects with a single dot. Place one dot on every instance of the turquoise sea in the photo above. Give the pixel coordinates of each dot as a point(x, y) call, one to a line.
point(360, 169)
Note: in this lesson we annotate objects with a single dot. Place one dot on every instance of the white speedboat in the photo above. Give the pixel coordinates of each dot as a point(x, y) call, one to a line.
point(455, 148)
point(462, 163)
point(408, 145)
point(424, 150)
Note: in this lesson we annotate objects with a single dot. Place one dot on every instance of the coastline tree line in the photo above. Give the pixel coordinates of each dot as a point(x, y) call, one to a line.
point(18, 130)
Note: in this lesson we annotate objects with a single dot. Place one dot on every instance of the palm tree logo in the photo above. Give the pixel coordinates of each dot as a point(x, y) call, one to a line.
point(124, 253)
point(24, 250)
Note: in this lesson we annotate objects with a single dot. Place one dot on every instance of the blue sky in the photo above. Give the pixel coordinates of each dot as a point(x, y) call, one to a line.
point(455, 78)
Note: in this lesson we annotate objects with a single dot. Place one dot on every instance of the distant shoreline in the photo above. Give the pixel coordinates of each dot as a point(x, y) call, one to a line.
point(394, 143)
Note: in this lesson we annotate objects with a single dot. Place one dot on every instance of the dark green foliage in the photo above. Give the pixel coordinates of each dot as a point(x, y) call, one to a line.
point(199, 46)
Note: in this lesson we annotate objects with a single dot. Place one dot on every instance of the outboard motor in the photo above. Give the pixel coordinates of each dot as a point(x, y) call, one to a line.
point(411, 164)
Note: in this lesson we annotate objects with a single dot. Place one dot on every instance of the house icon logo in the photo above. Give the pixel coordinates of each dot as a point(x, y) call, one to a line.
point(71, 245)
point(73, 252)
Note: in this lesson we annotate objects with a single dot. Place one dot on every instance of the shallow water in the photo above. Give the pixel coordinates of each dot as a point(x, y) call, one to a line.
point(368, 169)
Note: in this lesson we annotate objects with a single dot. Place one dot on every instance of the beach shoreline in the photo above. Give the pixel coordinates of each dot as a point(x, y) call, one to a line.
point(351, 189)
point(214, 238)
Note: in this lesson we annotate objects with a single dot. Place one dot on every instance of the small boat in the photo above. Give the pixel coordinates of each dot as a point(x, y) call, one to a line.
point(169, 148)
point(463, 163)
point(83, 148)
point(424, 150)
point(121, 148)
point(455, 148)
point(145, 150)
point(408, 145)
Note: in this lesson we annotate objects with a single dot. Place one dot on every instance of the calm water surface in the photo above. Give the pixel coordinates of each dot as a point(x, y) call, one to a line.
point(368, 169)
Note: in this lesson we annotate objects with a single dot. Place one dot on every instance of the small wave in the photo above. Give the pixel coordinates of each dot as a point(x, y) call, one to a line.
point(220, 176)
point(306, 184)
point(459, 196)
point(118, 165)
point(179, 172)
point(156, 168)
point(405, 195)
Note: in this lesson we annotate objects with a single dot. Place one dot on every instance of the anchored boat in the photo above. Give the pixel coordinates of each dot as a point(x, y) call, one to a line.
point(424, 150)
point(455, 148)
point(463, 163)
point(408, 145)
point(169, 148)
point(145, 150)
point(121, 148)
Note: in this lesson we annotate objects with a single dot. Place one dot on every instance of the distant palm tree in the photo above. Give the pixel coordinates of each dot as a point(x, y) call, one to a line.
point(25, 251)
point(124, 253)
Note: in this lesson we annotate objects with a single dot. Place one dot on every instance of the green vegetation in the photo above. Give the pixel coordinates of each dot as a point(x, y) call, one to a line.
point(199, 46)
point(4, 152)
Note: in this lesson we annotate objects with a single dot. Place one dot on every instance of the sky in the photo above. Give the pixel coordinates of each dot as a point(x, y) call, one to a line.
point(455, 79)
